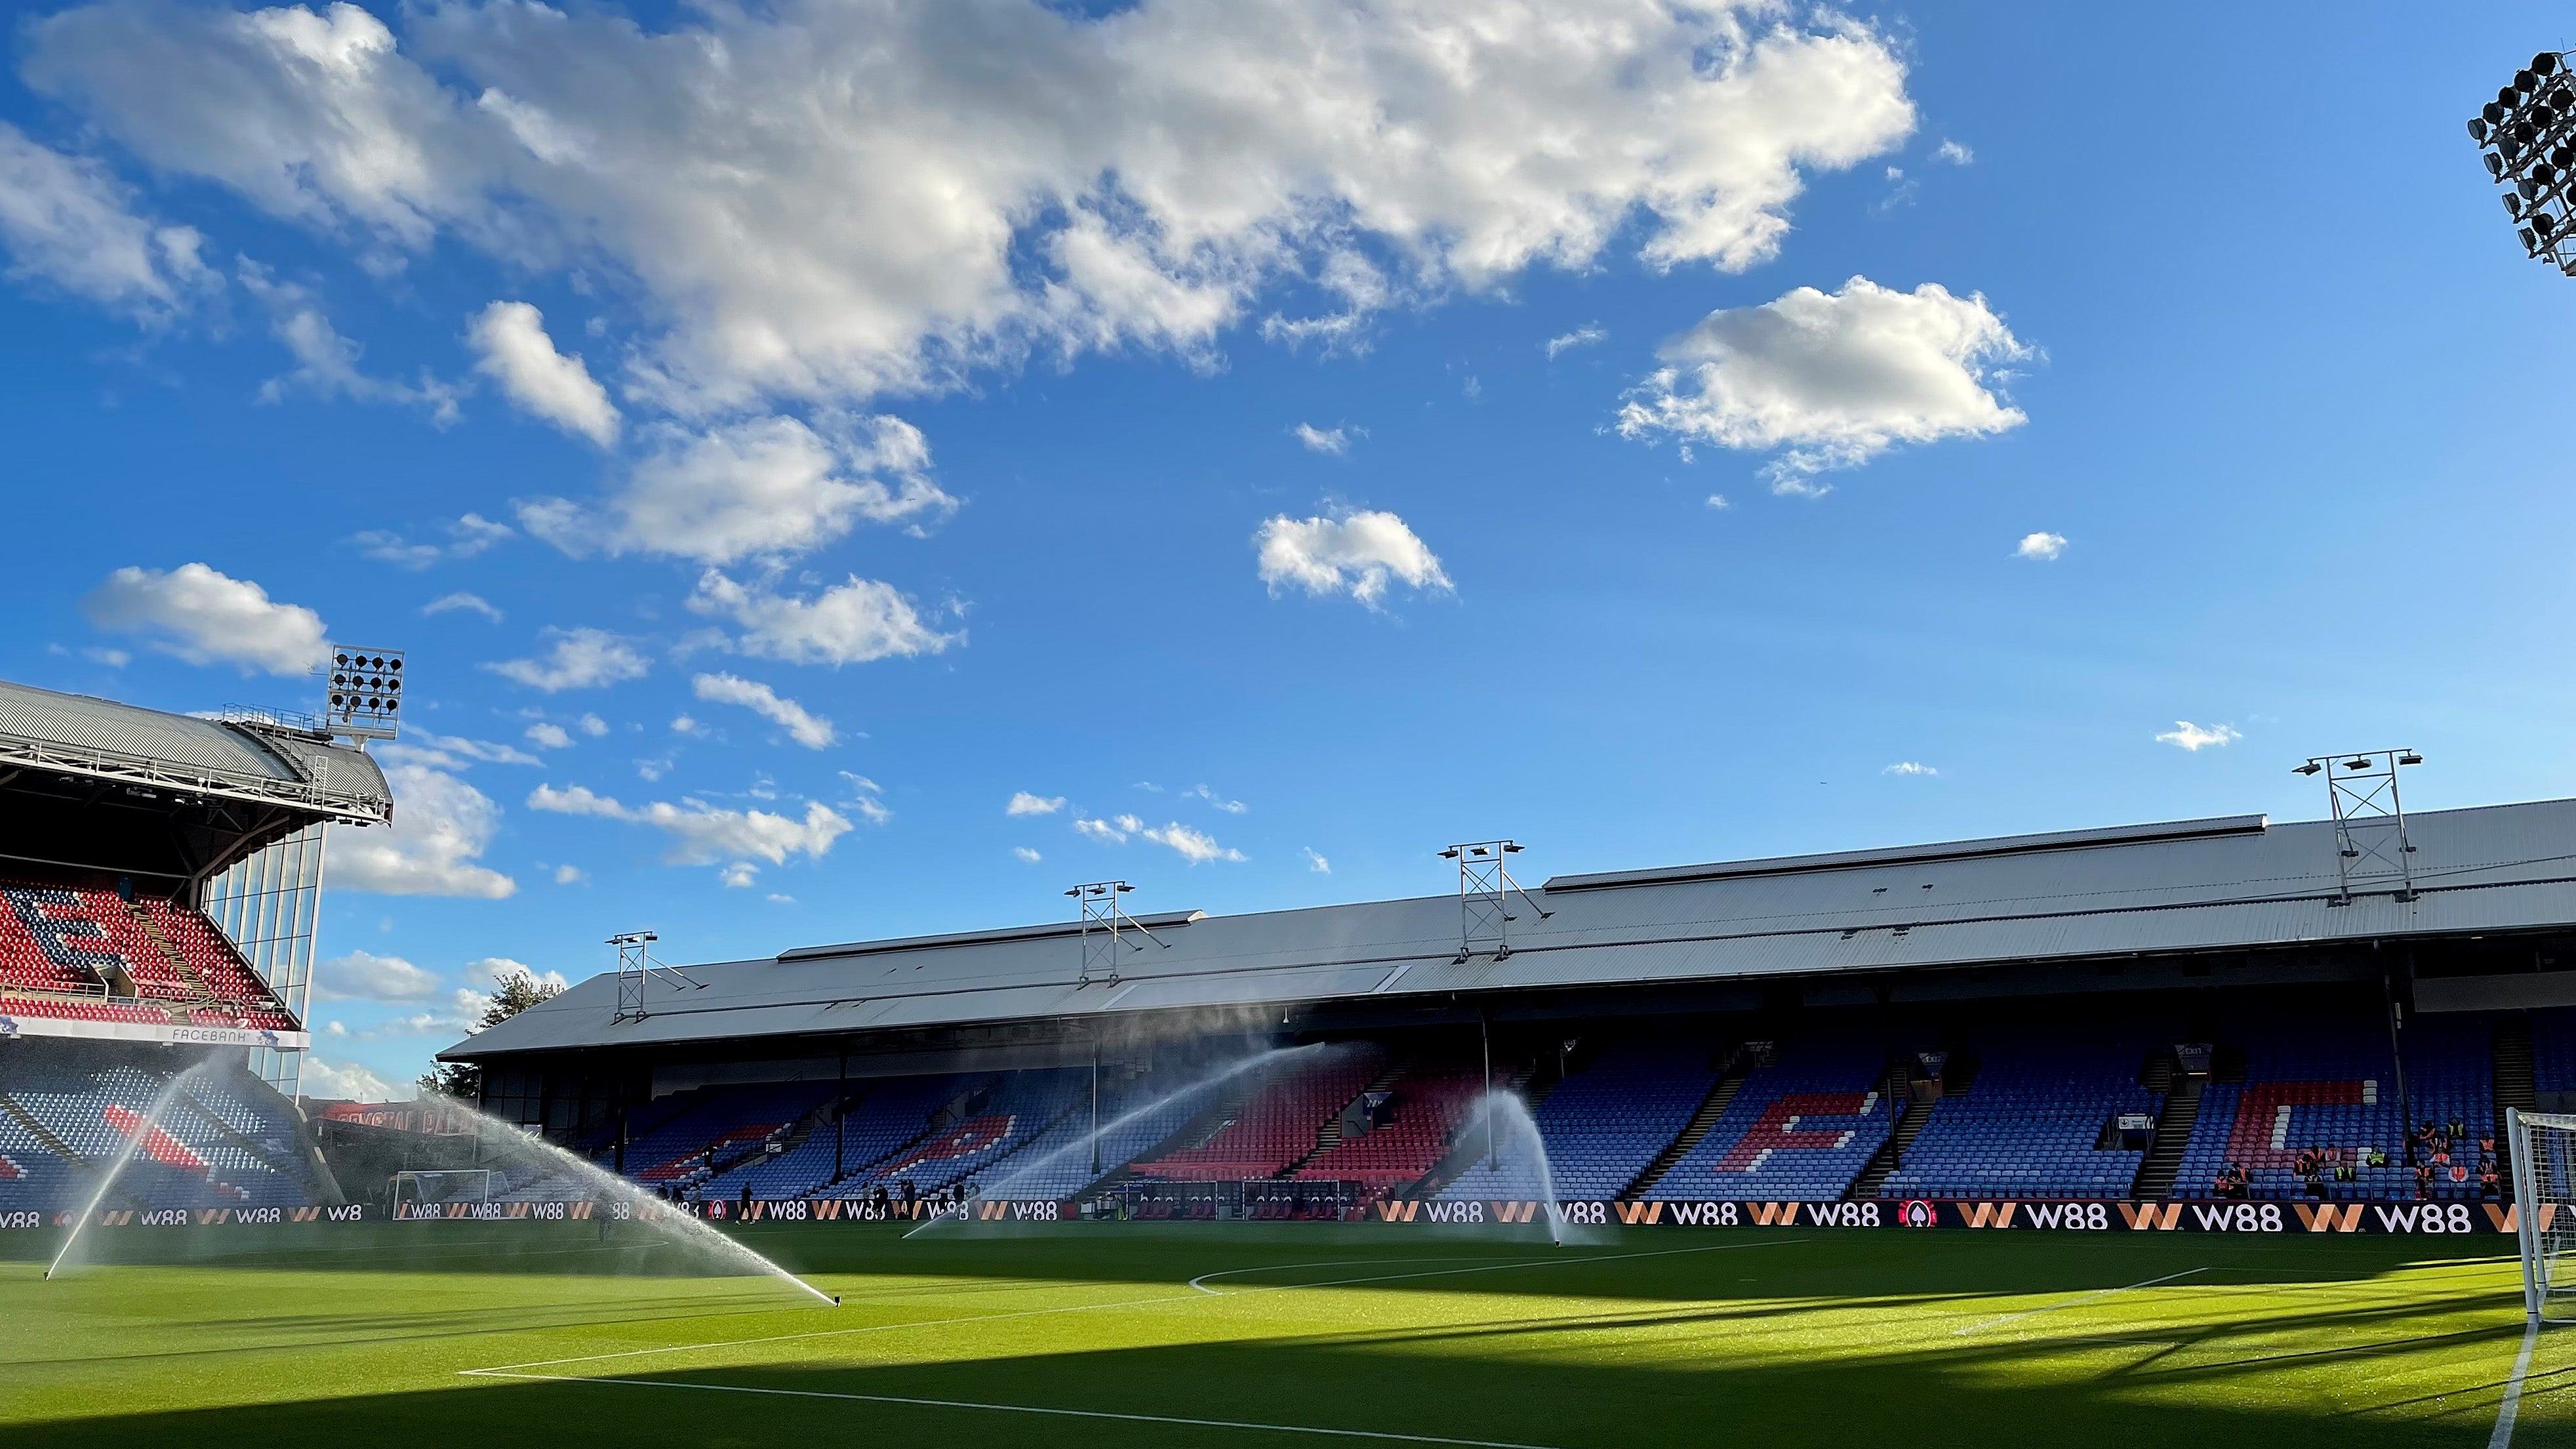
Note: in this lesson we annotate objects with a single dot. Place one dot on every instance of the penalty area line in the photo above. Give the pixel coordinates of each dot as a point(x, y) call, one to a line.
point(2511, 1408)
point(1241, 1424)
point(2074, 1302)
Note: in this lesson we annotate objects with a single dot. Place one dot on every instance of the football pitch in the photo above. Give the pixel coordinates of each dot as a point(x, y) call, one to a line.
point(1225, 1335)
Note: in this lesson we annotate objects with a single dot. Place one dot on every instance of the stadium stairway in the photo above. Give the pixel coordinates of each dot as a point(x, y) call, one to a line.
point(1909, 1125)
point(2173, 1137)
point(1713, 1106)
point(176, 959)
point(1329, 1135)
point(2516, 1084)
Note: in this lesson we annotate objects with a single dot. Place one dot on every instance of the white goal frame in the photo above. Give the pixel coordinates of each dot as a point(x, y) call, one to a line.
point(407, 1186)
point(2543, 1145)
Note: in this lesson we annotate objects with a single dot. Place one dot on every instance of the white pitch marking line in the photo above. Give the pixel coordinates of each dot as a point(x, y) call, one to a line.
point(1022, 1409)
point(1200, 1281)
point(2511, 1408)
point(2072, 1302)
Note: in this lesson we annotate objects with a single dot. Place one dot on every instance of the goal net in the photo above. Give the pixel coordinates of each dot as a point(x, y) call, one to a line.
point(429, 1189)
point(2544, 1190)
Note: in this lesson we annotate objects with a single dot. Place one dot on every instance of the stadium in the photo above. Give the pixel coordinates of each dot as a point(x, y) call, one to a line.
point(2156, 1130)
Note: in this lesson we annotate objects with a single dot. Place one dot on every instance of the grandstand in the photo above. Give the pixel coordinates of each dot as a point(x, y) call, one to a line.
point(2200, 1008)
point(115, 823)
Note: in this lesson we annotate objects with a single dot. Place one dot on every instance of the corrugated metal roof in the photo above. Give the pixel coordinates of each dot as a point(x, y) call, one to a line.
point(2232, 883)
point(81, 734)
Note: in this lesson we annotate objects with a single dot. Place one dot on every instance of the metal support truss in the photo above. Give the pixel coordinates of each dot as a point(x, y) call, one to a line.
point(1106, 931)
point(2372, 852)
point(1485, 889)
point(636, 969)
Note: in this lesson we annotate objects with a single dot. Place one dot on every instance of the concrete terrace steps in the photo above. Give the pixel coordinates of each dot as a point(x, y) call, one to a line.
point(1711, 1107)
point(1909, 1125)
point(1329, 1135)
point(2515, 1083)
point(2173, 1137)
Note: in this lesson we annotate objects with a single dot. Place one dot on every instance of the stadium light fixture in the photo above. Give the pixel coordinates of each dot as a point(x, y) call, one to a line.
point(2372, 850)
point(363, 699)
point(2525, 135)
point(1485, 889)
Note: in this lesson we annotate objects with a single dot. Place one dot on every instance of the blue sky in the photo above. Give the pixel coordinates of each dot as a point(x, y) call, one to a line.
point(934, 440)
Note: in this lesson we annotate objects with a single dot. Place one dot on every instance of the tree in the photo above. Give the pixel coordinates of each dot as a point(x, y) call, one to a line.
point(512, 993)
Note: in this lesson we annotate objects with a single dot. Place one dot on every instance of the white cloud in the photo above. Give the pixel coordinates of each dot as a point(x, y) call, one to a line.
point(850, 623)
point(467, 537)
point(569, 875)
point(1193, 846)
point(501, 968)
point(1587, 335)
point(580, 659)
point(1105, 832)
point(441, 828)
point(765, 487)
point(1334, 441)
point(547, 735)
point(1025, 854)
point(350, 1082)
point(1954, 153)
point(866, 797)
point(1024, 803)
point(1909, 767)
point(702, 834)
point(67, 221)
point(452, 752)
point(2188, 736)
point(112, 658)
point(471, 603)
point(802, 725)
point(511, 347)
point(1354, 552)
point(1315, 861)
point(741, 875)
point(1202, 792)
point(365, 976)
point(203, 617)
point(592, 725)
point(2040, 545)
point(1718, 501)
point(682, 724)
point(326, 363)
point(833, 200)
point(1834, 379)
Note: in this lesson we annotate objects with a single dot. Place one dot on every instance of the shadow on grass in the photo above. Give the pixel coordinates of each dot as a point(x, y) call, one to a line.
point(1938, 1395)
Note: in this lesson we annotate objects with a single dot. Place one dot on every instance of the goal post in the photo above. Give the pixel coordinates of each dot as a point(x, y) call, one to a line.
point(2543, 1146)
point(435, 1188)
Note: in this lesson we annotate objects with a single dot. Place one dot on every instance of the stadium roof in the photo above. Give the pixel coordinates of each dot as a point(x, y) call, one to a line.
point(247, 760)
point(2230, 883)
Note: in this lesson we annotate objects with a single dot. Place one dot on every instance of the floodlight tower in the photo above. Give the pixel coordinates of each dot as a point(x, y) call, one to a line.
point(2527, 135)
point(636, 969)
point(1485, 889)
point(364, 701)
point(1106, 927)
point(2372, 852)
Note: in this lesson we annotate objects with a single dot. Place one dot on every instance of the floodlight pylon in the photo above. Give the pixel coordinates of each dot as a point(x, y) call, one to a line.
point(1106, 931)
point(2372, 850)
point(1485, 889)
point(2519, 132)
point(636, 969)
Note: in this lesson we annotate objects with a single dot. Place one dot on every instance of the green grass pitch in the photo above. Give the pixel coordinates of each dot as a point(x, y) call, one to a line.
point(1386, 1336)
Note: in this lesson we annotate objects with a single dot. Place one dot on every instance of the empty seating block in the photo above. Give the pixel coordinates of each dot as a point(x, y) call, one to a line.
point(65, 945)
point(1802, 1127)
point(219, 1143)
point(1603, 1124)
point(2027, 1125)
point(1279, 1122)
